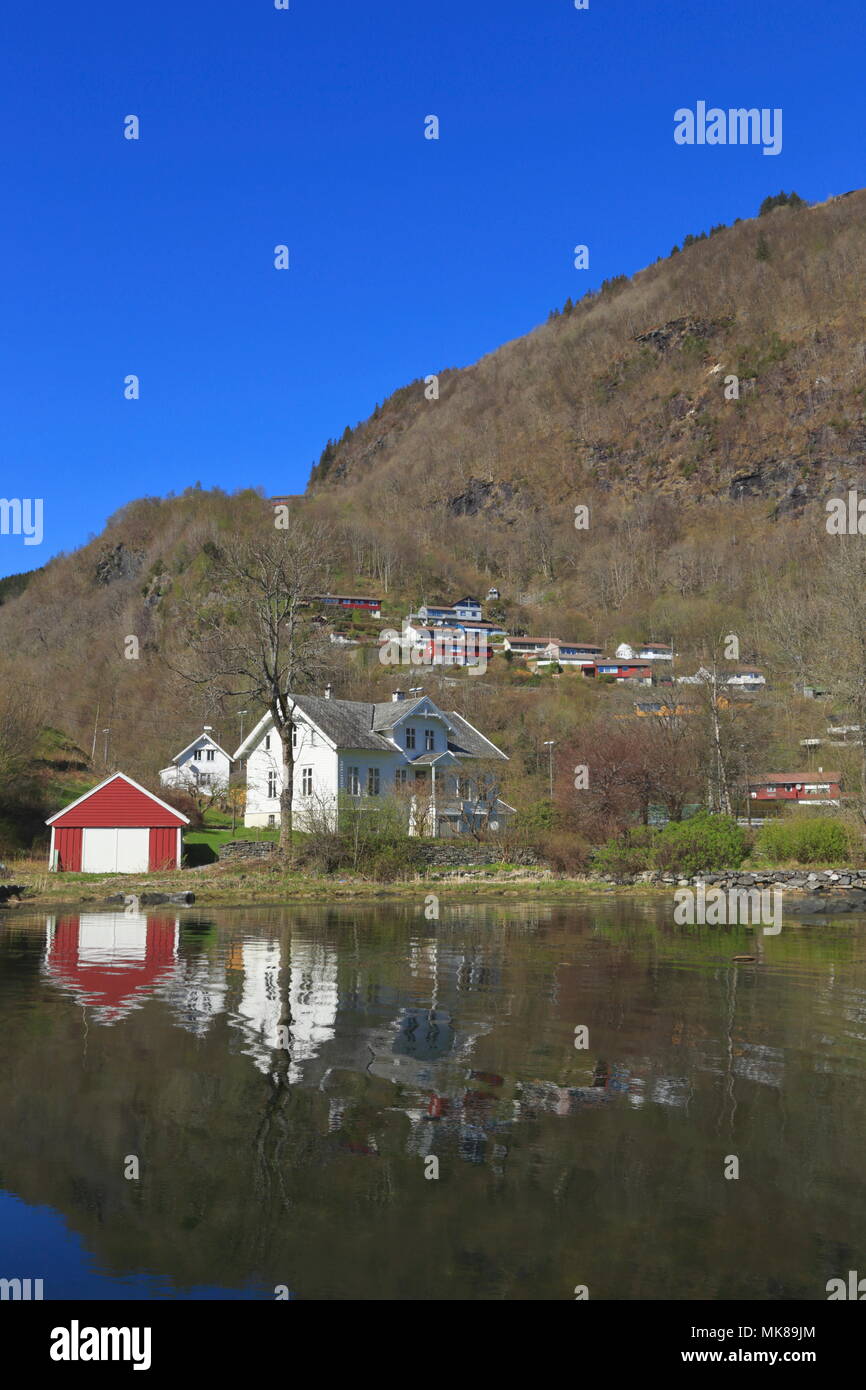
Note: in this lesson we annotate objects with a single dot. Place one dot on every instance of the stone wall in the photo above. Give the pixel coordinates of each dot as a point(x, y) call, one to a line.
point(248, 849)
point(451, 854)
point(797, 880)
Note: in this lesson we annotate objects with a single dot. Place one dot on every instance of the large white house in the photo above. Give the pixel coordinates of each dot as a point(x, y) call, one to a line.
point(202, 765)
point(348, 750)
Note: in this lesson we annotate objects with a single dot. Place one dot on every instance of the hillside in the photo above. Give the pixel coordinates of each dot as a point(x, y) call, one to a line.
point(622, 393)
point(706, 513)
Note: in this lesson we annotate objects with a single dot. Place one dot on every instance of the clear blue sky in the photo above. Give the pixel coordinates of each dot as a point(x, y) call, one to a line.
point(306, 127)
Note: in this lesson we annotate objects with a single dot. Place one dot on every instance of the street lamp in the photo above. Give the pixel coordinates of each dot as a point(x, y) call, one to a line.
point(549, 744)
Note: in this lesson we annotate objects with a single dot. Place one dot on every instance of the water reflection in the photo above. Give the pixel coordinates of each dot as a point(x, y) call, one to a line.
point(282, 1074)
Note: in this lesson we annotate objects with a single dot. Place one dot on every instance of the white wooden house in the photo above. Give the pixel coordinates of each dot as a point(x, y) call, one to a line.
point(348, 750)
point(202, 765)
point(644, 651)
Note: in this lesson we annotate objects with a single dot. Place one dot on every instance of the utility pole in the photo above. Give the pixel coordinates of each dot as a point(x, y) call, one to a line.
point(95, 731)
point(549, 745)
point(241, 715)
point(106, 732)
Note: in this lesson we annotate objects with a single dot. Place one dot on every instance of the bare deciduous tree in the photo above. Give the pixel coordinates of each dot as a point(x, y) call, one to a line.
point(251, 638)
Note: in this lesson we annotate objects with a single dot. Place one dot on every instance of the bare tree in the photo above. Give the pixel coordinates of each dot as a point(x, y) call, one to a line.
point(840, 637)
point(252, 637)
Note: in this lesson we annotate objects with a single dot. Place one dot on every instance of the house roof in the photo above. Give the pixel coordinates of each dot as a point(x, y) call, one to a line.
point(177, 816)
point(357, 724)
point(363, 598)
point(177, 757)
point(775, 779)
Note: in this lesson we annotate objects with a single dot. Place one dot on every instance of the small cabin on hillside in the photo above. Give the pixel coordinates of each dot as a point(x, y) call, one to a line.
point(116, 828)
point(803, 788)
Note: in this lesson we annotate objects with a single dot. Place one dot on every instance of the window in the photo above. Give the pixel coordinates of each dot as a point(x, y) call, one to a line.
point(272, 785)
point(353, 781)
point(272, 820)
point(294, 735)
point(197, 755)
point(306, 781)
point(410, 738)
point(464, 788)
point(372, 781)
point(429, 740)
point(210, 755)
point(267, 741)
point(204, 779)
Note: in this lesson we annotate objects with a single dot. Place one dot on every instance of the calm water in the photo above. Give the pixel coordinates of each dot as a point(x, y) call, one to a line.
point(283, 1077)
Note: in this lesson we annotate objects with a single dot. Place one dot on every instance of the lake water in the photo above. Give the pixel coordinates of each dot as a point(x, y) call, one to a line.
point(283, 1078)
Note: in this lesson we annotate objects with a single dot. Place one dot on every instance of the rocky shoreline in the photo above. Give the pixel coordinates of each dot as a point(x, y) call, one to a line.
point(812, 890)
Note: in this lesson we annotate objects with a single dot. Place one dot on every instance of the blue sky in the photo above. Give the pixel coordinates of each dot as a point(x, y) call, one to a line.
point(306, 127)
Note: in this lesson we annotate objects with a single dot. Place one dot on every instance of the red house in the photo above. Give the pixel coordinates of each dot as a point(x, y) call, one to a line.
point(118, 827)
point(807, 788)
point(360, 602)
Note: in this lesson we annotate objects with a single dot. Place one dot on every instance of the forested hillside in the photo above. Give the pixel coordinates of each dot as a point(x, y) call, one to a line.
point(702, 410)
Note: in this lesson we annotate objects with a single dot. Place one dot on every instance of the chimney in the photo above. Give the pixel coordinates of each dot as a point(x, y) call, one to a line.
point(398, 695)
point(329, 690)
point(208, 728)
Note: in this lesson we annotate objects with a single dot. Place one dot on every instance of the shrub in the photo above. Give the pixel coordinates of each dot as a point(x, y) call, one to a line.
point(565, 852)
point(703, 843)
point(628, 854)
point(812, 840)
point(183, 802)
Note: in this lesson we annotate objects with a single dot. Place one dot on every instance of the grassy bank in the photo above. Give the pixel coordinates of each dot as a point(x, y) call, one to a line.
point(239, 884)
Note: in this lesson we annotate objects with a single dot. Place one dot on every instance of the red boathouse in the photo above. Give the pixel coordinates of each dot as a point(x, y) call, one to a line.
point(118, 827)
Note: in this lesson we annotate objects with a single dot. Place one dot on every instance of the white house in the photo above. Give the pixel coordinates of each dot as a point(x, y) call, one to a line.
point(202, 765)
point(746, 678)
point(367, 752)
point(569, 654)
point(644, 651)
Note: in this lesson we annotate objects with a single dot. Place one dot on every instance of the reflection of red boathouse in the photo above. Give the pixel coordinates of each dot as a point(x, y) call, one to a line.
point(110, 961)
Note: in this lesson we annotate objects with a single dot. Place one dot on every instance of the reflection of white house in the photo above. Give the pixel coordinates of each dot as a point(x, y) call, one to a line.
point(359, 753)
point(260, 1010)
point(298, 995)
point(202, 765)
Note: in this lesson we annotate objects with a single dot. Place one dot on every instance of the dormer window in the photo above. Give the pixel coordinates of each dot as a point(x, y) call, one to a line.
point(410, 738)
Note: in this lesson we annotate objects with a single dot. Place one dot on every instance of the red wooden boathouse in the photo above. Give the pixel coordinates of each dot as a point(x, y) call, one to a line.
point(118, 827)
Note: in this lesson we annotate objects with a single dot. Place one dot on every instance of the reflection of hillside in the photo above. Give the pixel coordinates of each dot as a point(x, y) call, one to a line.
point(296, 1157)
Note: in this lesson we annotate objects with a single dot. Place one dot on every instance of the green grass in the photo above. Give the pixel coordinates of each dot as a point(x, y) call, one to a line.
point(203, 846)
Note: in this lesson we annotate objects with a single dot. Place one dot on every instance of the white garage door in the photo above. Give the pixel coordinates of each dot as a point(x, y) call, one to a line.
point(118, 850)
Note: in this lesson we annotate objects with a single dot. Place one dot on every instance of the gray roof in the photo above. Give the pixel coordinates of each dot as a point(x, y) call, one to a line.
point(356, 724)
